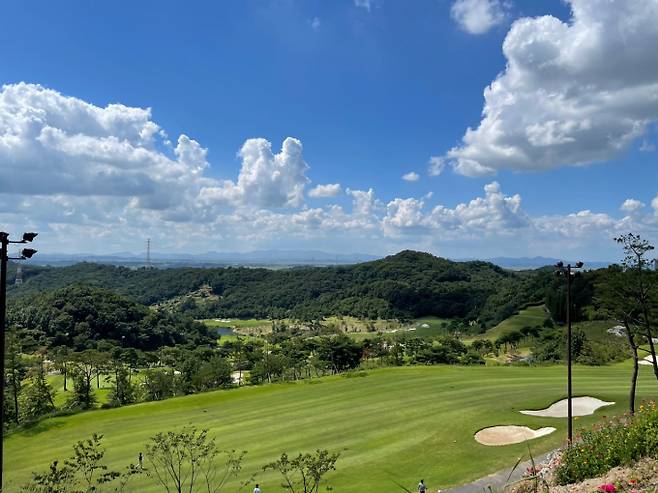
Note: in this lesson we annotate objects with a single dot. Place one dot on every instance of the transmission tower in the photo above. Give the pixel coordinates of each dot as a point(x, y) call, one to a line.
point(148, 252)
point(19, 274)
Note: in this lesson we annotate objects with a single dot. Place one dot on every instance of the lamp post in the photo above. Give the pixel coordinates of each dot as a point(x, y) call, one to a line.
point(25, 253)
point(568, 272)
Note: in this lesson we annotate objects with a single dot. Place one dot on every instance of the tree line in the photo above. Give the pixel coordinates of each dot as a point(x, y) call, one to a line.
point(406, 285)
point(137, 376)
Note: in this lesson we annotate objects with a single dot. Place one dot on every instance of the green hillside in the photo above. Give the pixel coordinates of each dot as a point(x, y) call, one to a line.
point(407, 285)
point(402, 423)
point(532, 316)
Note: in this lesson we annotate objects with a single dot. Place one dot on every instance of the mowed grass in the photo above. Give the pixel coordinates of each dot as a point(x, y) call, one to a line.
point(236, 323)
point(57, 383)
point(531, 317)
point(403, 423)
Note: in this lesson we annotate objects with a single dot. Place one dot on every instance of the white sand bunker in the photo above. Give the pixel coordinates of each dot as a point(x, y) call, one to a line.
point(581, 406)
point(510, 434)
point(648, 360)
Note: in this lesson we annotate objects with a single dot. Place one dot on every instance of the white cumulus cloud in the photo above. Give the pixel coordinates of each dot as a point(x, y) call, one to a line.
point(110, 176)
point(411, 176)
point(436, 165)
point(631, 206)
point(63, 145)
point(572, 92)
point(478, 16)
point(266, 179)
point(329, 190)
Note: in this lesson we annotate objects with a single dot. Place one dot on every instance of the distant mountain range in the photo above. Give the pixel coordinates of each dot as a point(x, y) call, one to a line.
point(274, 258)
point(522, 263)
point(269, 258)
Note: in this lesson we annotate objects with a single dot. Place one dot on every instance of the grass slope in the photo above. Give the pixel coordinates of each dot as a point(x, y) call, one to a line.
point(531, 316)
point(407, 423)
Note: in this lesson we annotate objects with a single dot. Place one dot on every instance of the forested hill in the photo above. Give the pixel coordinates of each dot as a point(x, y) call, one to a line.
point(408, 284)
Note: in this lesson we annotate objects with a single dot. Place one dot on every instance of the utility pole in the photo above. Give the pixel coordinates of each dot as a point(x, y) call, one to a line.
point(4, 239)
point(569, 363)
point(4, 259)
point(568, 272)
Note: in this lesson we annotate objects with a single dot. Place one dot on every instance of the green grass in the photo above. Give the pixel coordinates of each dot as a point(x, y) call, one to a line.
point(403, 423)
point(531, 316)
point(437, 326)
point(57, 383)
point(236, 323)
point(597, 330)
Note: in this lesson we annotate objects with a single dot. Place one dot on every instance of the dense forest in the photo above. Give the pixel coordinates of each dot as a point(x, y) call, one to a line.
point(407, 285)
point(81, 316)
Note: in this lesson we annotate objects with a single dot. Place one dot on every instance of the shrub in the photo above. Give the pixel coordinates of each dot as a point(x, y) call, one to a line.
point(620, 441)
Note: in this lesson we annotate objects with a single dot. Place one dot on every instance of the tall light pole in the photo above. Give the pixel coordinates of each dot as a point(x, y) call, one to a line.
point(4, 258)
point(567, 271)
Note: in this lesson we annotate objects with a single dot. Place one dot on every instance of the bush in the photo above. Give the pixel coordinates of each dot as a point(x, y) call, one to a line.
point(618, 442)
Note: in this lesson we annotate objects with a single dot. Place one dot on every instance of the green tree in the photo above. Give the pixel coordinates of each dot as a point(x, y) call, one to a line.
point(36, 398)
point(615, 300)
point(189, 460)
point(212, 374)
point(61, 356)
point(83, 372)
point(15, 370)
point(304, 473)
point(123, 391)
point(641, 290)
point(84, 472)
point(158, 384)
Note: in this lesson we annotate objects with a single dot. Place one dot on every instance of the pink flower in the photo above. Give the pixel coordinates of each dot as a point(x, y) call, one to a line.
point(608, 488)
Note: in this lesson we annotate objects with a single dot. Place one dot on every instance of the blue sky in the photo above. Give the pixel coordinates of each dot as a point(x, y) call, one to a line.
point(371, 90)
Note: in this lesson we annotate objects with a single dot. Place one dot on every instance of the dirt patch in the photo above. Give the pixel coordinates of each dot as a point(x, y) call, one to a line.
point(581, 406)
point(509, 434)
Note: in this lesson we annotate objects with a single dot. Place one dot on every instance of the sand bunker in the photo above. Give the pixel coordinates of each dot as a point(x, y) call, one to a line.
point(510, 434)
point(648, 360)
point(581, 406)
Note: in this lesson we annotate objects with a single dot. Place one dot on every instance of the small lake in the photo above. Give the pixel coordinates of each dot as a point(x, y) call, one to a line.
point(224, 331)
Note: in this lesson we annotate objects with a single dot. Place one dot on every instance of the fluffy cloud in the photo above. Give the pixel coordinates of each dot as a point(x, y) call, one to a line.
point(631, 206)
point(110, 176)
point(436, 165)
point(572, 93)
point(266, 179)
point(497, 218)
point(329, 190)
point(478, 16)
point(411, 176)
point(63, 145)
point(404, 214)
point(364, 4)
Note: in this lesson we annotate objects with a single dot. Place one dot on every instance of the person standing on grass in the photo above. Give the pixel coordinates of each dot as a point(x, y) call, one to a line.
point(257, 489)
point(421, 487)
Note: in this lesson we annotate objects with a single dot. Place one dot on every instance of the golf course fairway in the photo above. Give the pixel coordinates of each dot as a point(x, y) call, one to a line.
point(399, 424)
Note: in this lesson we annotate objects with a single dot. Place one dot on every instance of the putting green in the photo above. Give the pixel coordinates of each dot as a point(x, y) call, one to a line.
point(396, 423)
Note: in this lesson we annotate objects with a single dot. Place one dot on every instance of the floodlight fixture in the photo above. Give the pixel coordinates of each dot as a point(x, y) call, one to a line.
point(28, 252)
